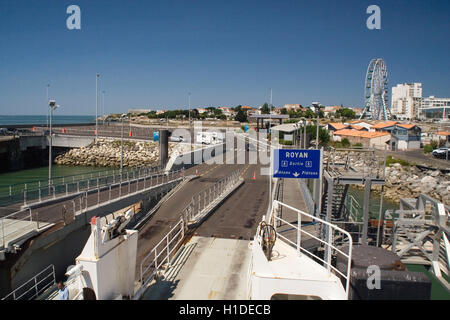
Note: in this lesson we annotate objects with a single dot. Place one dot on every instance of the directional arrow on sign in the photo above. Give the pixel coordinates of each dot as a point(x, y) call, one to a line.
point(296, 174)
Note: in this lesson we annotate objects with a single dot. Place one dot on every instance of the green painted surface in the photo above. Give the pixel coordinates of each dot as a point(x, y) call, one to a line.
point(438, 291)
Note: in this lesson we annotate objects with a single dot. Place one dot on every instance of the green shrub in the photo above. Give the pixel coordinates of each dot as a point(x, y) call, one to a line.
point(285, 142)
point(428, 148)
point(345, 142)
point(390, 161)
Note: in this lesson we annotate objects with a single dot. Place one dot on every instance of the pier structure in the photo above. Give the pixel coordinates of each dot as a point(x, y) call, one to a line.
point(363, 168)
point(420, 235)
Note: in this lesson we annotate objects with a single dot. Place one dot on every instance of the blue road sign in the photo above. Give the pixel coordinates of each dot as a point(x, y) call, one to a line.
point(155, 135)
point(288, 163)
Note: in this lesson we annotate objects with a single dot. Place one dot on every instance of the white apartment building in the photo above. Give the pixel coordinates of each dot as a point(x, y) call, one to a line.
point(434, 107)
point(406, 100)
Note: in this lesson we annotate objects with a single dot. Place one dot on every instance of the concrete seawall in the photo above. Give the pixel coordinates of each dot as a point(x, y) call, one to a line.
point(25, 152)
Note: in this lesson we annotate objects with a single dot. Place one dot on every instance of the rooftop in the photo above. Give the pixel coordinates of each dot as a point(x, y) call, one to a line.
point(406, 126)
point(385, 124)
point(337, 125)
point(359, 133)
point(287, 127)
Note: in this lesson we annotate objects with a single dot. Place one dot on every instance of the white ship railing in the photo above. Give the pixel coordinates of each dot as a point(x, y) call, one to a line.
point(333, 240)
point(35, 286)
point(160, 255)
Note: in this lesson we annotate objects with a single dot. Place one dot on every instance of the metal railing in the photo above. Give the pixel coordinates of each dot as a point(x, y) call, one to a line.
point(89, 199)
point(205, 198)
point(360, 162)
point(35, 286)
point(333, 239)
point(38, 191)
point(161, 253)
point(13, 219)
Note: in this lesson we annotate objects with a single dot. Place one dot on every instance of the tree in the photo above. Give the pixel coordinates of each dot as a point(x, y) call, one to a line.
point(324, 136)
point(309, 113)
point(346, 113)
point(265, 109)
point(241, 116)
point(283, 111)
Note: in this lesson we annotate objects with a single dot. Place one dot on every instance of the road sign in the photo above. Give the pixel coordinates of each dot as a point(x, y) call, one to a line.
point(155, 136)
point(288, 163)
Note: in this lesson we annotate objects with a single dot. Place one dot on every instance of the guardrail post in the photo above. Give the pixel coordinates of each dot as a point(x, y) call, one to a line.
point(40, 199)
point(299, 225)
point(3, 232)
point(328, 252)
point(78, 186)
point(182, 227)
point(109, 197)
point(168, 249)
point(67, 191)
point(98, 196)
point(25, 195)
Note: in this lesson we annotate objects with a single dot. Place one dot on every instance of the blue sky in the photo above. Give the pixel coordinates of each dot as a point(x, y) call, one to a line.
point(152, 53)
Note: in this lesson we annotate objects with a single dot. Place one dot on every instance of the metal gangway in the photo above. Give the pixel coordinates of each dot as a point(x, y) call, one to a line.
point(201, 204)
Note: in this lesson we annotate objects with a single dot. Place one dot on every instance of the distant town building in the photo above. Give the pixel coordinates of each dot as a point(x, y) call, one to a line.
point(358, 111)
point(441, 137)
point(138, 111)
point(405, 137)
point(361, 123)
point(433, 107)
point(226, 111)
point(250, 110)
point(160, 111)
point(201, 110)
point(406, 100)
point(291, 107)
point(332, 126)
point(366, 139)
point(330, 109)
point(386, 126)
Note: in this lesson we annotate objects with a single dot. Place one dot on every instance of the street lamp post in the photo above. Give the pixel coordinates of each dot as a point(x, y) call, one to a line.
point(103, 105)
point(317, 184)
point(52, 105)
point(96, 106)
point(317, 107)
point(48, 108)
point(189, 109)
point(121, 147)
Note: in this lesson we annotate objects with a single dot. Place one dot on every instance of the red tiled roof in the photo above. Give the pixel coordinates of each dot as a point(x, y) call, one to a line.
point(406, 126)
point(337, 125)
point(382, 125)
point(362, 134)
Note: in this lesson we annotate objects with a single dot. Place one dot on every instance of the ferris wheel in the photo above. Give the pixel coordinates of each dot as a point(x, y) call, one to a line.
point(376, 91)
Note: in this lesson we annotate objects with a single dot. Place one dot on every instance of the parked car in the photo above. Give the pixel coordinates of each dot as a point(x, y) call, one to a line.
point(176, 139)
point(441, 152)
